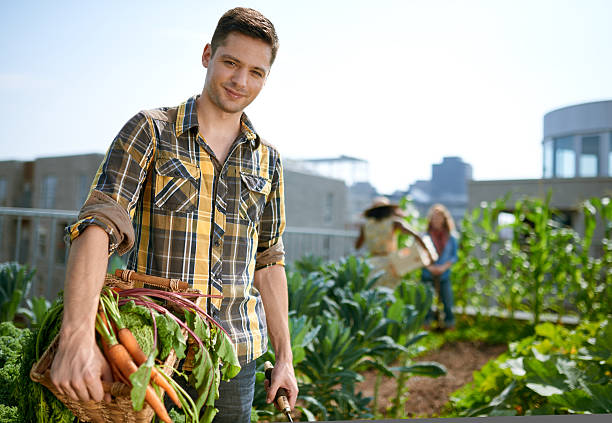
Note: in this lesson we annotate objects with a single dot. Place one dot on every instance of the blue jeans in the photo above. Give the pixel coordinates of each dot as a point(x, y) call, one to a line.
point(446, 296)
point(235, 397)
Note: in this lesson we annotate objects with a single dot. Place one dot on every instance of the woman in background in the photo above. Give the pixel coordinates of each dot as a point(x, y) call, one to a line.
point(441, 231)
point(380, 232)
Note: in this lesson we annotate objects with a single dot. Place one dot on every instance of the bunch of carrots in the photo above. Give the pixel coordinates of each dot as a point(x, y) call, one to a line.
point(125, 356)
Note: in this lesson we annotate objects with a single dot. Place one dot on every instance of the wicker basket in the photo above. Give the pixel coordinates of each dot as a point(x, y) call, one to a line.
point(120, 408)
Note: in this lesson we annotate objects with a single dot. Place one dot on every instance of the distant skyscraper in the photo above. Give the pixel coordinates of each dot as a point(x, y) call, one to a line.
point(448, 185)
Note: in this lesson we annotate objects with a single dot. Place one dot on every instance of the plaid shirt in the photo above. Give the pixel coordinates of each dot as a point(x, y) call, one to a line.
point(194, 219)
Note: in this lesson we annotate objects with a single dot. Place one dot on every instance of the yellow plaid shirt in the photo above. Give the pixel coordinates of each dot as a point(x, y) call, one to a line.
point(192, 218)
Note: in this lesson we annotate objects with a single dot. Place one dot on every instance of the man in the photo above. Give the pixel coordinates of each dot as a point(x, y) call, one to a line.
point(196, 195)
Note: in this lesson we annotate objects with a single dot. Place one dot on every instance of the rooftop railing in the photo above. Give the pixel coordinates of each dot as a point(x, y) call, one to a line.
point(36, 237)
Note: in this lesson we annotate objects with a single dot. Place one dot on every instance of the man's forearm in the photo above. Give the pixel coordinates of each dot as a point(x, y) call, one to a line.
point(272, 285)
point(271, 282)
point(85, 274)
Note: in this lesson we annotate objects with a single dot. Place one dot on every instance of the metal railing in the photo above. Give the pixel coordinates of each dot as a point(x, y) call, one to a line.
point(329, 244)
point(35, 237)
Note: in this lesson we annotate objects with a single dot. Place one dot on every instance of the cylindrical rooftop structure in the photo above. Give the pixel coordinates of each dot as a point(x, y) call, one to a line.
point(578, 141)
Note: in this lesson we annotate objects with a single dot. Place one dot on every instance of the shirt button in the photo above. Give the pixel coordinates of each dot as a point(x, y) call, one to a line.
point(217, 243)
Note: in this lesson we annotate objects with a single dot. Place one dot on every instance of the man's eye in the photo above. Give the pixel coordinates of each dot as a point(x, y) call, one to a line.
point(230, 63)
point(257, 74)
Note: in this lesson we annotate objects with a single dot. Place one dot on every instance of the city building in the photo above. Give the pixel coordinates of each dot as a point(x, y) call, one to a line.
point(577, 164)
point(354, 172)
point(448, 185)
point(577, 141)
point(349, 169)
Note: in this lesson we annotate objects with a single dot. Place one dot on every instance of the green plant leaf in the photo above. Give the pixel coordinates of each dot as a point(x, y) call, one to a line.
point(226, 352)
point(515, 365)
point(597, 400)
point(544, 378)
point(140, 380)
point(430, 369)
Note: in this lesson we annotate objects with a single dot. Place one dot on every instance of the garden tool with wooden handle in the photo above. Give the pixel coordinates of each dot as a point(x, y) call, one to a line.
point(281, 394)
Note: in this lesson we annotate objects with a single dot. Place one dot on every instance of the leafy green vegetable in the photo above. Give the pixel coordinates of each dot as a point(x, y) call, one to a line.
point(227, 355)
point(140, 380)
point(169, 336)
point(20, 396)
point(556, 371)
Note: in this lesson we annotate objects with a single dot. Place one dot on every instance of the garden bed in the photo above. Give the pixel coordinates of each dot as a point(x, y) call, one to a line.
point(427, 396)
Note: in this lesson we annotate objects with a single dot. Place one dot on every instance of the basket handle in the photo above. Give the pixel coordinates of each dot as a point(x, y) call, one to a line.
point(141, 278)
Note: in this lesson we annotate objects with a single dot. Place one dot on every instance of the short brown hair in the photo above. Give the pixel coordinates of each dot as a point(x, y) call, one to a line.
point(247, 22)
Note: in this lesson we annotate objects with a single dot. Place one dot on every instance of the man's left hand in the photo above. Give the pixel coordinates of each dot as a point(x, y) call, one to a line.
point(283, 376)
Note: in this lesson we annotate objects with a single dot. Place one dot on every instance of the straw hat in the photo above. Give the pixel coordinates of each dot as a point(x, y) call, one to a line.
point(379, 202)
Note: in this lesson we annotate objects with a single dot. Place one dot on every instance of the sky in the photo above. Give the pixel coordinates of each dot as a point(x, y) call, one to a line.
point(401, 84)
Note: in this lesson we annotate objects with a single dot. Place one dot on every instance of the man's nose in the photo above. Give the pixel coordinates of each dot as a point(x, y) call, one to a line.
point(239, 78)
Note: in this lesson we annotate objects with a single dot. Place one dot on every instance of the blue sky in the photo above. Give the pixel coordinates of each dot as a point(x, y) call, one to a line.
point(398, 83)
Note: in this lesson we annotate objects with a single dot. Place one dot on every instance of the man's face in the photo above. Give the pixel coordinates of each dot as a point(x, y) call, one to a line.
point(237, 72)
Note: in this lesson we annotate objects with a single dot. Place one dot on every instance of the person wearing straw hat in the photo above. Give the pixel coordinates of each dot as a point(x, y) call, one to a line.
point(380, 233)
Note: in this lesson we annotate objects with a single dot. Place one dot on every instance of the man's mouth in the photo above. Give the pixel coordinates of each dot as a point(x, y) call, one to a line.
point(233, 94)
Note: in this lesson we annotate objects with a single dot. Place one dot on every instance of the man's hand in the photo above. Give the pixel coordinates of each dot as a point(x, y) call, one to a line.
point(79, 367)
point(283, 376)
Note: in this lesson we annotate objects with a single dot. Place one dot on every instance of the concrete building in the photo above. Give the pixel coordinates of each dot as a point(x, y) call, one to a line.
point(577, 141)
point(356, 175)
point(577, 165)
point(349, 169)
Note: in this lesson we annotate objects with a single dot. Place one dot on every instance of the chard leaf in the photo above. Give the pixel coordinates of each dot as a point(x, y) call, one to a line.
point(213, 394)
point(169, 336)
point(140, 381)
point(203, 377)
point(225, 350)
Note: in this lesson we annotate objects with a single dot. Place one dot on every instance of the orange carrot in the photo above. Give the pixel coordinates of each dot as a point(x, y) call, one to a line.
point(127, 339)
point(120, 356)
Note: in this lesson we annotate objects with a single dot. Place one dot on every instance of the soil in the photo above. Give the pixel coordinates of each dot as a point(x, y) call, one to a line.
point(427, 396)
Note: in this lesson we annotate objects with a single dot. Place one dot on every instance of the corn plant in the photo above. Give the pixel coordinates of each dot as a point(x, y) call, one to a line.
point(544, 267)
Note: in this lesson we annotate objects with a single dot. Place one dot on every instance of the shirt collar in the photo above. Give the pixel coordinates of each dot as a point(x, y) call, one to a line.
point(187, 118)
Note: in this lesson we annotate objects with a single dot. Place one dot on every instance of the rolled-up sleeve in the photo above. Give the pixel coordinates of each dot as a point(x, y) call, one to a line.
point(117, 184)
point(270, 249)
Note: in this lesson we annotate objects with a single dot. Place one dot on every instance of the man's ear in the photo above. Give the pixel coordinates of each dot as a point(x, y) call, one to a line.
point(206, 55)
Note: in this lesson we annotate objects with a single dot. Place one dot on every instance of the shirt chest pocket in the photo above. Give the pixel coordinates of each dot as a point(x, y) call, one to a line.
point(254, 191)
point(177, 185)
